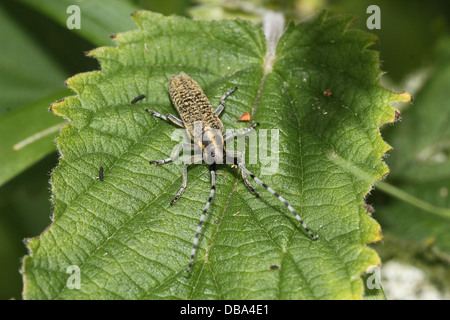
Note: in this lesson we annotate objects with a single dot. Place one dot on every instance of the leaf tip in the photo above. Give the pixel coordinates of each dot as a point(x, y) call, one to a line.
point(92, 53)
point(55, 105)
point(140, 15)
point(137, 13)
point(397, 115)
point(379, 236)
point(405, 97)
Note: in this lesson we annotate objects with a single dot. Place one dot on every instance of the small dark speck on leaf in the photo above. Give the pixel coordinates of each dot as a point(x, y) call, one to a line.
point(274, 267)
point(142, 96)
point(100, 173)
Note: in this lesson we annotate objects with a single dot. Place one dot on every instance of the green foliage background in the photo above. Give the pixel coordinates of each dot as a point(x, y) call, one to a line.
point(39, 53)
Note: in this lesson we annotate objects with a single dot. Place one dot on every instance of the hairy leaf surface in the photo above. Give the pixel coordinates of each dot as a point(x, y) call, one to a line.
point(320, 90)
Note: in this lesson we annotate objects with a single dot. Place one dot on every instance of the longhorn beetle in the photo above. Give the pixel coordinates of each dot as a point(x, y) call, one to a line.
point(199, 117)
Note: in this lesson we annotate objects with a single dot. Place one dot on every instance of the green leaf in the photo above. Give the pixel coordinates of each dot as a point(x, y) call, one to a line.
point(98, 20)
point(21, 80)
point(24, 209)
point(26, 94)
point(28, 134)
point(320, 89)
point(421, 162)
point(25, 98)
point(399, 20)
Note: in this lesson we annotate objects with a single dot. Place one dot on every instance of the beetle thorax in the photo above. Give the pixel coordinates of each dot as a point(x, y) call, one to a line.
point(213, 147)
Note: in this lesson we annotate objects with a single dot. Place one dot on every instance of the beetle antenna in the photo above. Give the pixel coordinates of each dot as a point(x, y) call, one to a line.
point(314, 237)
